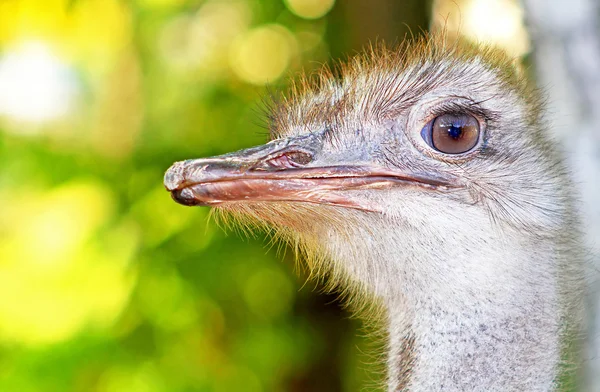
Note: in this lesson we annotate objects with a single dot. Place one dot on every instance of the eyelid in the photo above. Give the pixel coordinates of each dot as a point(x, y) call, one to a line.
point(426, 132)
point(462, 107)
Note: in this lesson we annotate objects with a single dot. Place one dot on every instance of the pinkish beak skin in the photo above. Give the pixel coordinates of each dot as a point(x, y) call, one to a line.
point(278, 171)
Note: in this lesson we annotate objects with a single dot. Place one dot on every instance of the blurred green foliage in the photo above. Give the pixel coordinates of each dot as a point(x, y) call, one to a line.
point(108, 285)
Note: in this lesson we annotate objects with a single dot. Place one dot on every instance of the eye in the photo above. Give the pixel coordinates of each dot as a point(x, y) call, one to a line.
point(452, 133)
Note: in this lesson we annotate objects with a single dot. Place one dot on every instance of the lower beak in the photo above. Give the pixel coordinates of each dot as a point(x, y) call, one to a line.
point(275, 173)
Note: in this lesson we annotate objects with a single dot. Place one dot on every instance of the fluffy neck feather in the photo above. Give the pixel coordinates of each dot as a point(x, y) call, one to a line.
point(466, 309)
point(487, 335)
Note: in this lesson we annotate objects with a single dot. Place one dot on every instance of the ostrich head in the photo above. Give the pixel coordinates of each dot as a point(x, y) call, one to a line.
point(419, 179)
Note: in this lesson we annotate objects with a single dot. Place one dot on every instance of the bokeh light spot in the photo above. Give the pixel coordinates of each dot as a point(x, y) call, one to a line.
point(309, 9)
point(263, 54)
point(64, 276)
point(34, 85)
point(202, 40)
point(59, 221)
point(496, 22)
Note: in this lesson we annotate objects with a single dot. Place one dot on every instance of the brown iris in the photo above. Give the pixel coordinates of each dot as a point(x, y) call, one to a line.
point(452, 133)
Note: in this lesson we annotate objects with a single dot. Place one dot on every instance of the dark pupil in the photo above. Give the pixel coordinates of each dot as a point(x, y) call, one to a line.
point(455, 132)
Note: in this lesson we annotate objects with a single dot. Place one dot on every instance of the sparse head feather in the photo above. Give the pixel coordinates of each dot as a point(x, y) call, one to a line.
point(375, 85)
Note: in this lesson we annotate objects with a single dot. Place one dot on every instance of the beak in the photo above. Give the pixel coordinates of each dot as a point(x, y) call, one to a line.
point(281, 171)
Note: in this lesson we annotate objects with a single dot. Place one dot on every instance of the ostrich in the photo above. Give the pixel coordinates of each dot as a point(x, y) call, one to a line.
point(422, 183)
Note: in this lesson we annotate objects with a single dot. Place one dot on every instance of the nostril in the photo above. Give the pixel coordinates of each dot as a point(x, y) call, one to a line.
point(299, 157)
point(184, 196)
point(288, 160)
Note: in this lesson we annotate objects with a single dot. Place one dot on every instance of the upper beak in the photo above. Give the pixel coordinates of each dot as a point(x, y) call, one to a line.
point(281, 171)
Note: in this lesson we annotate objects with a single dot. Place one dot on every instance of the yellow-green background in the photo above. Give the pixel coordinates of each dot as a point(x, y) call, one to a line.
point(106, 284)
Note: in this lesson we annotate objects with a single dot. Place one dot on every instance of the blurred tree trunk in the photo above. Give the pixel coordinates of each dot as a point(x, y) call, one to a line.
point(361, 22)
point(566, 41)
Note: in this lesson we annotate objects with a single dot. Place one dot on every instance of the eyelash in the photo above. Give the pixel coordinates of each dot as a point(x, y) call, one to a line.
point(453, 108)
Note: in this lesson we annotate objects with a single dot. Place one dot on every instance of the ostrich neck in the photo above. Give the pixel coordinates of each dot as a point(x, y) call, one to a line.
point(472, 350)
point(486, 320)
